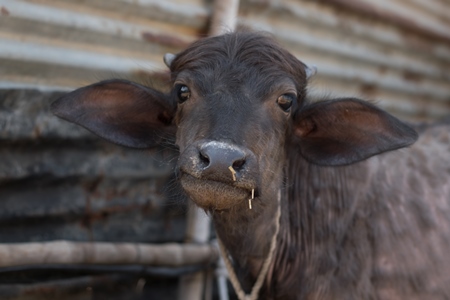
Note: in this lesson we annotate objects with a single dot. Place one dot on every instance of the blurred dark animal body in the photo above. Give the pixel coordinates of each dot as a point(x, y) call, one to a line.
point(357, 221)
point(377, 229)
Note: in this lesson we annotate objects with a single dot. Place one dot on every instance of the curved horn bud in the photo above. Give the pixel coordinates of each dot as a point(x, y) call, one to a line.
point(310, 71)
point(168, 59)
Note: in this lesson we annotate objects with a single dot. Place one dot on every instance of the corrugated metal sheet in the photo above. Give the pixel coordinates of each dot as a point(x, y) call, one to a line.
point(64, 43)
point(394, 51)
point(58, 181)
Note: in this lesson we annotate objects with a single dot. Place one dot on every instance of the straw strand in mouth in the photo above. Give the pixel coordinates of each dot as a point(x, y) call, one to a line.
point(250, 200)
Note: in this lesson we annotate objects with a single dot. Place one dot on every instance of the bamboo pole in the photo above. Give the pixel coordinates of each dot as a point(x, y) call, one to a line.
point(71, 288)
point(224, 20)
point(67, 252)
point(198, 231)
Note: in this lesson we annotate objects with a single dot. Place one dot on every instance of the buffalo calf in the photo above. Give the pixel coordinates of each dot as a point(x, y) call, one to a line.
point(358, 220)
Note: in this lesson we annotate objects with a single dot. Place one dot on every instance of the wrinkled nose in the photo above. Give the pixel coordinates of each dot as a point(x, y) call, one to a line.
point(223, 161)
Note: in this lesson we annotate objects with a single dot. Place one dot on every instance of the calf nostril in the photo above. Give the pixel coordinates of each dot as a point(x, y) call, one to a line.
point(204, 158)
point(238, 164)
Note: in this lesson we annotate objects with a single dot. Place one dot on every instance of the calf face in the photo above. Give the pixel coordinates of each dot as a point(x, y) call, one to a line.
point(237, 101)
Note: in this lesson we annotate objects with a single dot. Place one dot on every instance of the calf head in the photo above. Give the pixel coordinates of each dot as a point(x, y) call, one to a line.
point(237, 101)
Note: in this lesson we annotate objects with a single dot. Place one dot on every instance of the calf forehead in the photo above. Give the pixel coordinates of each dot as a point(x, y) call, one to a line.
point(243, 59)
point(237, 81)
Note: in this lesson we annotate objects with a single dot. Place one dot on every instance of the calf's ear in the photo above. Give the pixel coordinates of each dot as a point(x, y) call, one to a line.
point(120, 111)
point(344, 131)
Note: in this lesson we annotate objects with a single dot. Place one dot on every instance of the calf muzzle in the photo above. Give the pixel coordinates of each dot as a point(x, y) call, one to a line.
point(218, 174)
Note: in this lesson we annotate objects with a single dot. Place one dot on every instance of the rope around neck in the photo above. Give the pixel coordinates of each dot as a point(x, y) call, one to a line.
point(265, 267)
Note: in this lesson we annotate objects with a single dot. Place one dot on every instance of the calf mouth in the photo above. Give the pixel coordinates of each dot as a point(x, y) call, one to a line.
point(215, 195)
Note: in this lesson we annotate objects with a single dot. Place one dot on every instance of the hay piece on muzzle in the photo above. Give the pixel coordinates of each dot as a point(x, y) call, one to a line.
point(233, 172)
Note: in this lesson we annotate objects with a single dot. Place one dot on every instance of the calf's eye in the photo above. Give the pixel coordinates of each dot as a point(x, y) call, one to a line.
point(183, 92)
point(285, 101)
